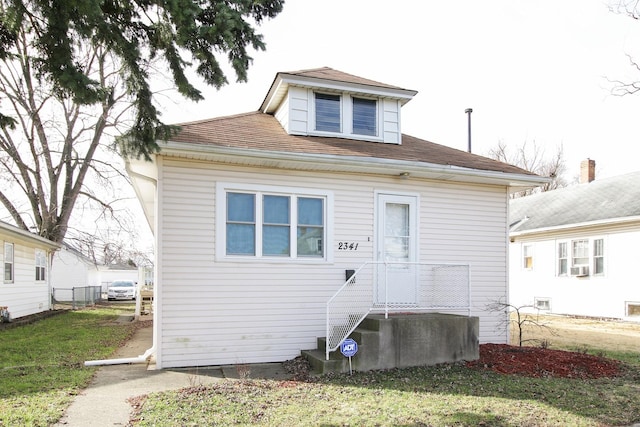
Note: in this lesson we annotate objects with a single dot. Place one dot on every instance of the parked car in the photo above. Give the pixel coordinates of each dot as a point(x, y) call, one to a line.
point(122, 290)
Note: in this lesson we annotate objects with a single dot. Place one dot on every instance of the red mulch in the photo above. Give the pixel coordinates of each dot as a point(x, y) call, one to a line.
point(542, 362)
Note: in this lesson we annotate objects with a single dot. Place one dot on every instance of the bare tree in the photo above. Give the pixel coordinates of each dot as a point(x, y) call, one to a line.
point(534, 159)
point(627, 7)
point(631, 9)
point(59, 155)
point(521, 319)
point(74, 75)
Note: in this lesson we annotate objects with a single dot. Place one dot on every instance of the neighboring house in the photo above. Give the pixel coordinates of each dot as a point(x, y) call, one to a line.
point(574, 250)
point(26, 260)
point(72, 269)
point(260, 218)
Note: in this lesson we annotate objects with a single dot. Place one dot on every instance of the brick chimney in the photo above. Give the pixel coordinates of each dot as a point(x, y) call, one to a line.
point(587, 171)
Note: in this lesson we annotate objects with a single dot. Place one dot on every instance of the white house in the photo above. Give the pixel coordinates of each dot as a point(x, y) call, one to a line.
point(70, 269)
point(260, 218)
point(574, 250)
point(26, 259)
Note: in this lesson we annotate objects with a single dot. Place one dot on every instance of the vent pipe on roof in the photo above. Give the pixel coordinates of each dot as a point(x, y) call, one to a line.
point(468, 111)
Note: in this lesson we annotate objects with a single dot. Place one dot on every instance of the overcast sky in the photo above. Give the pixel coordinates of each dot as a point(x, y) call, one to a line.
point(532, 70)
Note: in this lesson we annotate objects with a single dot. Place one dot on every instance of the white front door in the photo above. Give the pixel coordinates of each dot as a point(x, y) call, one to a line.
point(397, 280)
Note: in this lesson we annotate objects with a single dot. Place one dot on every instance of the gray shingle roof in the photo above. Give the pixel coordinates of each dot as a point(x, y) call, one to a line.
point(326, 73)
point(600, 200)
point(260, 131)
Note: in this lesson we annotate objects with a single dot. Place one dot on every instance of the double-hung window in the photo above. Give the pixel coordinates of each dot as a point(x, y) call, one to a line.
point(267, 224)
point(580, 253)
point(598, 256)
point(41, 265)
point(241, 224)
point(346, 115)
point(581, 257)
point(563, 261)
point(328, 117)
point(8, 262)
point(527, 257)
point(364, 116)
point(276, 226)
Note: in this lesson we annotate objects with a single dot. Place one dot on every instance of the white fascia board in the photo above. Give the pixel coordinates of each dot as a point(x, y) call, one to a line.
point(385, 92)
point(274, 97)
point(19, 233)
point(283, 81)
point(567, 227)
point(326, 162)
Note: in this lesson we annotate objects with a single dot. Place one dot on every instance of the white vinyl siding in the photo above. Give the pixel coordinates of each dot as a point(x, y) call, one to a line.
point(293, 113)
point(225, 312)
point(391, 122)
point(595, 294)
point(24, 295)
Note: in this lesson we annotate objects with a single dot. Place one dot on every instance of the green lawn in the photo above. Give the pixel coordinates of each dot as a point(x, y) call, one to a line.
point(42, 364)
point(41, 369)
point(448, 395)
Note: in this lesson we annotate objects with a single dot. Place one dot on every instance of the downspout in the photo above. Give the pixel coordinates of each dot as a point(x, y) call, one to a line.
point(123, 361)
point(147, 354)
point(127, 360)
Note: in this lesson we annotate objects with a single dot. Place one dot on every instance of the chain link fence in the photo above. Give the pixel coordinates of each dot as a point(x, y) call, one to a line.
point(76, 297)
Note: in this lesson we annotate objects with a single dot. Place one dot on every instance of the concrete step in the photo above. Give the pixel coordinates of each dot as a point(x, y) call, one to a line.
point(401, 341)
point(321, 366)
point(372, 322)
point(338, 363)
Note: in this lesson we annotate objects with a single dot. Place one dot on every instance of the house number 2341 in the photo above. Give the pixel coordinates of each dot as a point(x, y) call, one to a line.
point(347, 246)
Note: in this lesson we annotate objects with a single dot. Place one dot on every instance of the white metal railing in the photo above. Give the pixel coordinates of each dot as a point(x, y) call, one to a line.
point(413, 285)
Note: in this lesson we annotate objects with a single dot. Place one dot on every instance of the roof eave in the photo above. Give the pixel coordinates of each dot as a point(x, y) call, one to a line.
point(19, 233)
point(282, 82)
point(566, 227)
point(349, 164)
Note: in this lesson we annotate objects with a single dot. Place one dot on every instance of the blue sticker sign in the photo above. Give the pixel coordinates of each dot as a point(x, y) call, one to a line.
point(349, 347)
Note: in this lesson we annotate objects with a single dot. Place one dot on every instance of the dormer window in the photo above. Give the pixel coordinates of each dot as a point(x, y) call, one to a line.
point(364, 116)
point(328, 112)
point(329, 103)
point(346, 114)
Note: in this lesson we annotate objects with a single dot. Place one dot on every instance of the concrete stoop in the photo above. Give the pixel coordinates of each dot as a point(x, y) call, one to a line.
point(402, 341)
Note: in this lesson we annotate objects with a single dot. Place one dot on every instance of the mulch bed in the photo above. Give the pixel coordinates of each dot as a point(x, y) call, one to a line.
point(543, 362)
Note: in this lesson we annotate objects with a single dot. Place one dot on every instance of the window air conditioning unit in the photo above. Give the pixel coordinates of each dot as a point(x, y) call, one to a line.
point(580, 271)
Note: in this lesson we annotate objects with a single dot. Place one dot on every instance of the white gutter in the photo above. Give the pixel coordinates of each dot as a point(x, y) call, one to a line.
point(363, 164)
point(595, 223)
point(123, 361)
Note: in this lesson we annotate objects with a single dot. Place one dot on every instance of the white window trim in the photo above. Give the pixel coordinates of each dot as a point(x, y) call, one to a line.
point(530, 246)
point(536, 300)
point(13, 261)
point(222, 188)
point(567, 258)
point(589, 252)
point(593, 256)
point(45, 266)
point(346, 116)
point(592, 263)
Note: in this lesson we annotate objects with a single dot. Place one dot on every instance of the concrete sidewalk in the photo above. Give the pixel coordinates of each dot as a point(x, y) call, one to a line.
point(105, 401)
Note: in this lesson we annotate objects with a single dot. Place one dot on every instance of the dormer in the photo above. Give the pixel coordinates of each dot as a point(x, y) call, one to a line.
point(329, 103)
